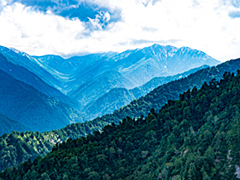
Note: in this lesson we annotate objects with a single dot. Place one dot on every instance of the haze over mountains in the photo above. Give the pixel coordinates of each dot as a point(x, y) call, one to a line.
point(33, 144)
point(30, 107)
point(119, 97)
point(76, 85)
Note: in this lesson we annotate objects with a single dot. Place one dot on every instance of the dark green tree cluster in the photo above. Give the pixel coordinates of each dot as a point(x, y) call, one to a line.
point(196, 137)
point(155, 99)
point(19, 147)
point(170, 91)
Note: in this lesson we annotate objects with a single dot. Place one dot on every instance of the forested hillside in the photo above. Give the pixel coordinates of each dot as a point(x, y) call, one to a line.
point(155, 99)
point(18, 147)
point(195, 137)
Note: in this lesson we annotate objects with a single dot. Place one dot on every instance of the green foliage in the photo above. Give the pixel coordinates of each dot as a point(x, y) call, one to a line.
point(194, 103)
point(193, 138)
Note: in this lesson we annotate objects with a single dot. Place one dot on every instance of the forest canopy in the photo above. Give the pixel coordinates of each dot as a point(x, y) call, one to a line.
point(195, 137)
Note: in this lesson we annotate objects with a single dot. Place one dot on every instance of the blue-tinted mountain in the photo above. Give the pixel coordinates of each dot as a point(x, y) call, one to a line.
point(157, 98)
point(154, 61)
point(32, 108)
point(147, 63)
point(24, 60)
point(157, 61)
point(74, 71)
point(86, 78)
point(136, 67)
point(98, 86)
point(141, 65)
point(8, 125)
point(195, 137)
point(119, 97)
point(22, 74)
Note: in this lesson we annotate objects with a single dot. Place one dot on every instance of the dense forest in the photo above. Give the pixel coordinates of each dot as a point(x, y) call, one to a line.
point(19, 147)
point(195, 137)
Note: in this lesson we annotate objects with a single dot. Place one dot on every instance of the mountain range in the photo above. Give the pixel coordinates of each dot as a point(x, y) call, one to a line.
point(119, 97)
point(34, 143)
point(30, 107)
point(147, 63)
point(193, 137)
point(82, 82)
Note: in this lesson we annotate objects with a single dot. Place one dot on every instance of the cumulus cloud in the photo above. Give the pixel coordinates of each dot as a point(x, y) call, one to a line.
point(81, 9)
point(210, 26)
point(234, 14)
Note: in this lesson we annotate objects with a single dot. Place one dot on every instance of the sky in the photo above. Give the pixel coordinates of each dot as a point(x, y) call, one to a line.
point(77, 27)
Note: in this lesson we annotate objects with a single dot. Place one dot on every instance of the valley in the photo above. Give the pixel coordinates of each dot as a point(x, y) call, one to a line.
point(105, 101)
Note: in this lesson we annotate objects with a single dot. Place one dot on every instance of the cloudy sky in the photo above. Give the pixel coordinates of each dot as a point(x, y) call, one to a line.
point(70, 27)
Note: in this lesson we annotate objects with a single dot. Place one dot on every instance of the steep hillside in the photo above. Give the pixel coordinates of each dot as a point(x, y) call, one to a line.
point(24, 60)
point(86, 78)
point(196, 137)
point(23, 103)
point(17, 147)
point(157, 60)
point(98, 86)
point(159, 96)
point(8, 125)
point(147, 63)
point(156, 98)
point(119, 97)
point(58, 66)
point(22, 74)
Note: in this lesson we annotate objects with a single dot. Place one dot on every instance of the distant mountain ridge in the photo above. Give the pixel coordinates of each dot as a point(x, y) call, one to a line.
point(119, 97)
point(22, 74)
point(81, 81)
point(194, 137)
point(8, 125)
point(136, 66)
point(31, 108)
point(159, 60)
point(24, 60)
point(142, 106)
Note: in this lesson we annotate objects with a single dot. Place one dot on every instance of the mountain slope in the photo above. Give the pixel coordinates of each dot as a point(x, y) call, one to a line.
point(156, 98)
point(153, 61)
point(186, 58)
point(24, 60)
point(87, 78)
point(8, 125)
point(157, 60)
point(119, 97)
point(32, 108)
point(24, 75)
point(56, 65)
point(98, 86)
point(147, 63)
point(196, 137)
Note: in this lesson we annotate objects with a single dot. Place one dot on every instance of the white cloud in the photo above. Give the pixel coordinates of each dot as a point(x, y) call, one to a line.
point(204, 25)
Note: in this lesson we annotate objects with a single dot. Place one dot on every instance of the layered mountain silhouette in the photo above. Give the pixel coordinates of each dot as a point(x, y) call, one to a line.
point(30, 107)
point(194, 137)
point(156, 99)
point(82, 83)
point(8, 125)
point(87, 78)
point(22, 74)
point(119, 97)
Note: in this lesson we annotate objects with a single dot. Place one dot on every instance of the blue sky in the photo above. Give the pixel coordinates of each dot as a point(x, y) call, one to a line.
point(72, 27)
